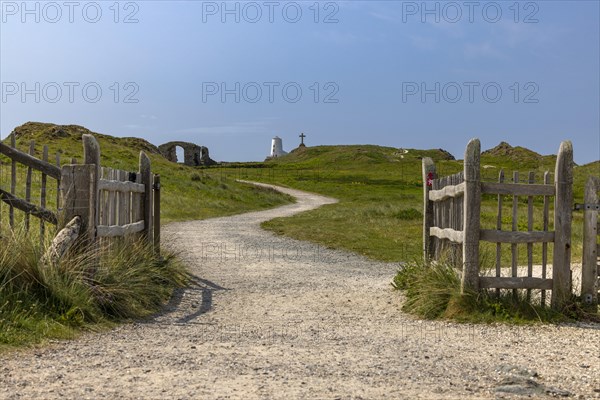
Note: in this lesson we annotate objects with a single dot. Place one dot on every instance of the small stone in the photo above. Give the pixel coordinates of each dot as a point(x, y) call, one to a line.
point(557, 392)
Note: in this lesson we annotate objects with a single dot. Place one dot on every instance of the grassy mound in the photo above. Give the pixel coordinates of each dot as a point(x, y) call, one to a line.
point(184, 197)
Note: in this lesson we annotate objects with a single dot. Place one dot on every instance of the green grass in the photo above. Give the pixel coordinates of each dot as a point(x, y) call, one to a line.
point(378, 215)
point(380, 193)
point(41, 302)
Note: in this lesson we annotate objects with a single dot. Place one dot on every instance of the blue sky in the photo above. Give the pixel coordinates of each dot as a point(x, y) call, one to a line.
point(229, 75)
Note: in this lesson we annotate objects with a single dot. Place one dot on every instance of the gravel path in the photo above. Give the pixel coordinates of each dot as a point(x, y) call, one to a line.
point(273, 318)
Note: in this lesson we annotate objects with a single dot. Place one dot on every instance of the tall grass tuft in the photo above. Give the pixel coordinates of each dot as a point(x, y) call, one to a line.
point(39, 302)
point(432, 291)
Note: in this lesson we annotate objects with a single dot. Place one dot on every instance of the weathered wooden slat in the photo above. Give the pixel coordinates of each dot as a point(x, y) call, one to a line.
point(428, 170)
point(112, 198)
point(563, 204)
point(28, 183)
point(447, 233)
point(120, 186)
point(447, 192)
point(589, 275)
point(13, 180)
point(123, 200)
point(58, 182)
point(29, 161)
point(117, 230)
point(545, 245)
point(517, 189)
point(513, 247)
point(499, 228)
point(43, 190)
point(156, 213)
point(27, 207)
point(136, 202)
point(530, 228)
point(523, 282)
point(494, 236)
point(145, 171)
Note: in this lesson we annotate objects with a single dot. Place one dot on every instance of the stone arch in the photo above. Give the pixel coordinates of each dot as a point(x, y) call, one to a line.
point(193, 154)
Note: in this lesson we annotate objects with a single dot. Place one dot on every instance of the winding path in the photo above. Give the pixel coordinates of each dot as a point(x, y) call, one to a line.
point(273, 318)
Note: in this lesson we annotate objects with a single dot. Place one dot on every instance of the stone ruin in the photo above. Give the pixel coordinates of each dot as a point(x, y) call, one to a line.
point(193, 155)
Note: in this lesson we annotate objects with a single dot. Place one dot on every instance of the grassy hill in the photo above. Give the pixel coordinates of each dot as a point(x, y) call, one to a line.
point(380, 189)
point(187, 192)
point(380, 192)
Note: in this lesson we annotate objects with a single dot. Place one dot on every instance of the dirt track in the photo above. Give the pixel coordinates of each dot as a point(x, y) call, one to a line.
point(274, 318)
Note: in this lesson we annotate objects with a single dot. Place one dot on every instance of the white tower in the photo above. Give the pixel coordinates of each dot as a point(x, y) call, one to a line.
point(277, 147)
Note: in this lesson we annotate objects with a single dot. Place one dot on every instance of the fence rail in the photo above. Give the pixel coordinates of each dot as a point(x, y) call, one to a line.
point(452, 217)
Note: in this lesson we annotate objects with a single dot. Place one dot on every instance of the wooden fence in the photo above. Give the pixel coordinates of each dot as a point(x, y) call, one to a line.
point(452, 218)
point(26, 204)
point(111, 203)
point(590, 274)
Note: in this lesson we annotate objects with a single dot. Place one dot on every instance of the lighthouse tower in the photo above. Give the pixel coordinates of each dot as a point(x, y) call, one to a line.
point(277, 147)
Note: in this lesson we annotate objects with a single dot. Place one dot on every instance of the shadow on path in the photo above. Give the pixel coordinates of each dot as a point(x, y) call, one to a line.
point(199, 295)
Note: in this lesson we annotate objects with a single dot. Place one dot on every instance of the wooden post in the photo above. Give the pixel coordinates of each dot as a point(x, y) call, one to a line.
point(471, 225)
point(589, 274)
point(147, 202)
point(428, 241)
point(77, 188)
point(563, 201)
point(91, 156)
point(156, 214)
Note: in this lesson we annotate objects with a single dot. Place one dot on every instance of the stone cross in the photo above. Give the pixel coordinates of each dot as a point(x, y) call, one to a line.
point(302, 136)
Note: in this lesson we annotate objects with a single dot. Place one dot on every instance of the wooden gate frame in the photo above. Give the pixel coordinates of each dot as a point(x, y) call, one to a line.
point(471, 190)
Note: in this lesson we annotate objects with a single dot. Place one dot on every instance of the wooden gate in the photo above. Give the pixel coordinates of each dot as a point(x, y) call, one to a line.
point(452, 215)
point(110, 203)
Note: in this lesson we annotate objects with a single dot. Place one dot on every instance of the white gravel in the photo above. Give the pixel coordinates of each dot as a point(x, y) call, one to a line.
point(273, 318)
